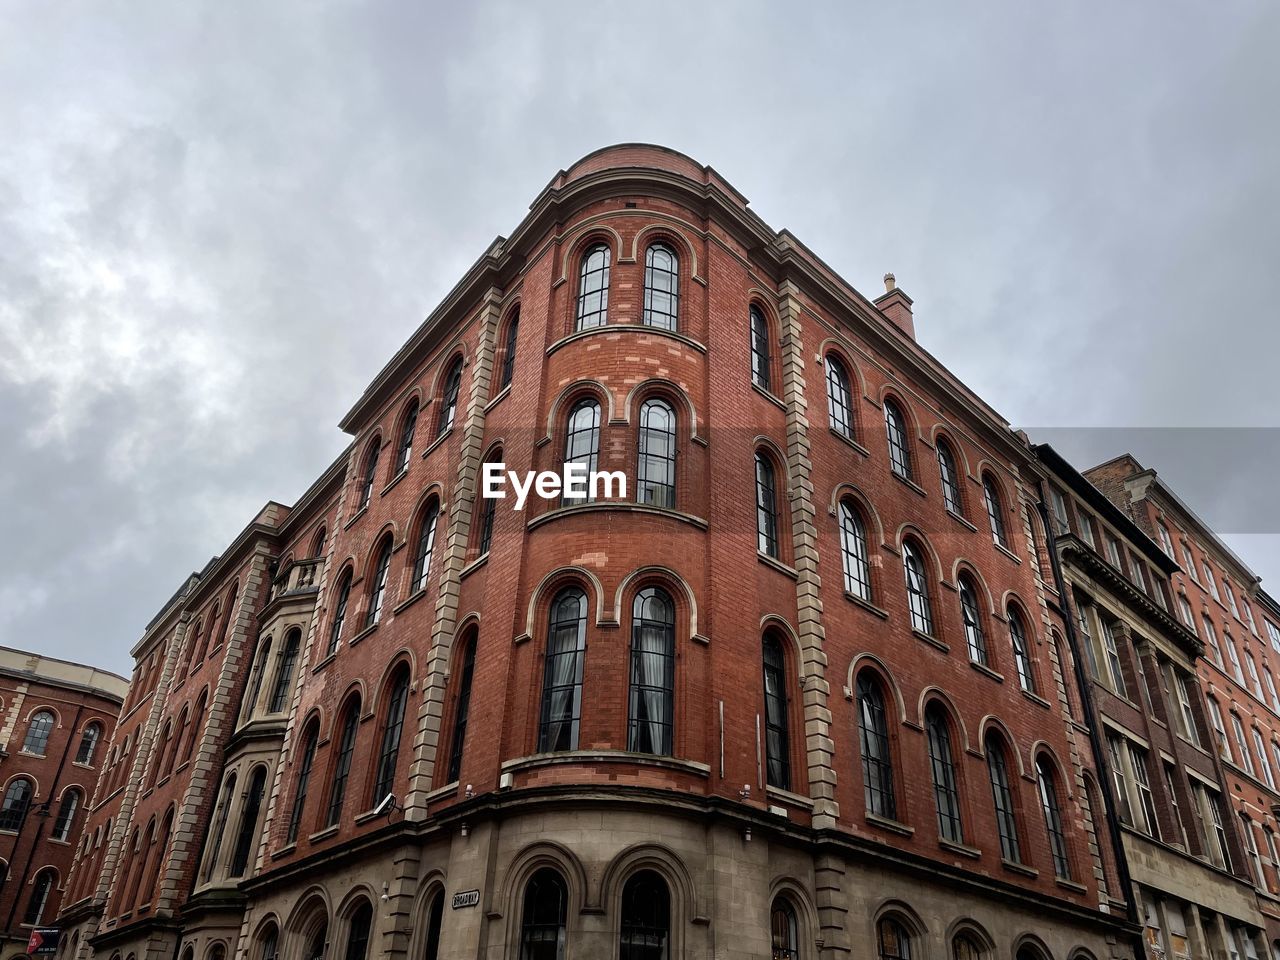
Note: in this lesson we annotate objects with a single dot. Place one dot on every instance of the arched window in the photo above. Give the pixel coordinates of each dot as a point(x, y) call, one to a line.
point(1021, 651)
point(777, 741)
point(965, 947)
point(942, 768)
point(969, 613)
point(304, 778)
point(509, 351)
point(38, 730)
point(198, 641)
point(766, 507)
point(435, 920)
point(231, 615)
point(197, 724)
point(378, 585)
point(896, 428)
point(268, 943)
point(877, 754)
point(651, 710)
point(162, 844)
point(17, 798)
point(1052, 818)
point(761, 353)
point(449, 398)
point(951, 497)
point(839, 397)
point(656, 471)
point(995, 513)
point(260, 665)
point(339, 612)
point(425, 546)
point(317, 548)
point(67, 811)
point(248, 823)
point(392, 727)
point(158, 760)
point(488, 512)
point(462, 707)
point(542, 925)
point(407, 428)
point(853, 551)
point(370, 473)
point(1002, 798)
point(582, 439)
point(893, 942)
point(317, 941)
point(342, 763)
point(562, 678)
point(358, 931)
point(646, 918)
point(661, 287)
point(219, 825)
point(284, 672)
point(784, 931)
point(917, 589)
point(593, 288)
point(41, 888)
point(89, 739)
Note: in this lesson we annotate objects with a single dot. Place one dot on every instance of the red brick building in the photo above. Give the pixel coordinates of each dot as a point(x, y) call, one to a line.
point(55, 721)
point(796, 695)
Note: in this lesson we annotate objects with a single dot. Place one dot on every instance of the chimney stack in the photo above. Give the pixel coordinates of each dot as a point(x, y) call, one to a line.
point(896, 305)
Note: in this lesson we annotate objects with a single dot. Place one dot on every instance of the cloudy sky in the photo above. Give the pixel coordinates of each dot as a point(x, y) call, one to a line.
point(218, 221)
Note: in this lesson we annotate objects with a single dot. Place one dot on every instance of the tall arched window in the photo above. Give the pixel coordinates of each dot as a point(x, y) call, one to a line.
point(309, 739)
point(284, 672)
point(378, 585)
point(370, 473)
point(358, 931)
point(89, 739)
point(972, 617)
point(407, 428)
point(509, 350)
point(488, 511)
point(342, 762)
point(1021, 651)
point(766, 507)
point(1002, 799)
point(951, 497)
point(197, 724)
point(995, 513)
point(339, 612)
point(656, 471)
point(761, 352)
point(261, 664)
point(219, 825)
point(248, 823)
point(777, 740)
point(392, 727)
point(593, 288)
point(877, 754)
point(839, 397)
point(646, 918)
point(896, 429)
point(653, 668)
point(582, 439)
point(917, 588)
point(661, 287)
point(67, 811)
point(542, 924)
point(965, 947)
point(853, 551)
point(942, 768)
point(317, 548)
point(317, 940)
point(41, 888)
point(268, 943)
point(38, 729)
point(784, 931)
point(462, 707)
point(425, 546)
point(1046, 782)
point(17, 798)
point(562, 678)
point(158, 760)
point(435, 920)
point(231, 614)
point(449, 398)
point(893, 942)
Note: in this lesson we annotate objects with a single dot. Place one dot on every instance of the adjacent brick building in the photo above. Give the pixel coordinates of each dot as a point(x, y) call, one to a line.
point(55, 721)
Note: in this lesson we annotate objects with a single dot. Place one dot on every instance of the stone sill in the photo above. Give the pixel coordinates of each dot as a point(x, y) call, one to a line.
point(536, 760)
point(778, 565)
point(908, 483)
point(961, 848)
point(884, 823)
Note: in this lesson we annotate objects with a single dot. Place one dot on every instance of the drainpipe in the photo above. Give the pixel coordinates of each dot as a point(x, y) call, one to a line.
point(1084, 685)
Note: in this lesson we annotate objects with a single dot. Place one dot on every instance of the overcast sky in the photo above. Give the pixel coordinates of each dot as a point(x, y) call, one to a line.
point(218, 221)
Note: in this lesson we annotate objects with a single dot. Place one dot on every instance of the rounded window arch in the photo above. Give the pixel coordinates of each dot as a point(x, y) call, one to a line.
point(995, 510)
point(944, 772)
point(839, 396)
point(1002, 796)
point(776, 710)
point(424, 544)
point(285, 666)
point(544, 915)
point(408, 427)
point(971, 616)
point(17, 800)
point(392, 729)
point(656, 467)
point(359, 927)
point(341, 771)
point(879, 791)
point(562, 677)
point(896, 429)
point(582, 438)
point(1047, 786)
point(916, 574)
point(484, 539)
point(965, 946)
point(310, 737)
point(370, 474)
point(949, 474)
point(90, 737)
point(268, 942)
point(768, 527)
point(450, 389)
point(248, 830)
point(39, 726)
point(462, 701)
point(41, 892)
point(378, 582)
point(784, 929)
point(651, 697)
point(894, 939)
point(593, 287)
point(761, 348)
point(65, 822)
point(854, 557)
point(509, 340)
point(318, 544)
point(645, 929)
point(1021, 642)
point(661, 286)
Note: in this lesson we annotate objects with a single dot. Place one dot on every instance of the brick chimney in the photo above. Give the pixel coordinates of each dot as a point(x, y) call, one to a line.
point(896, 305)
